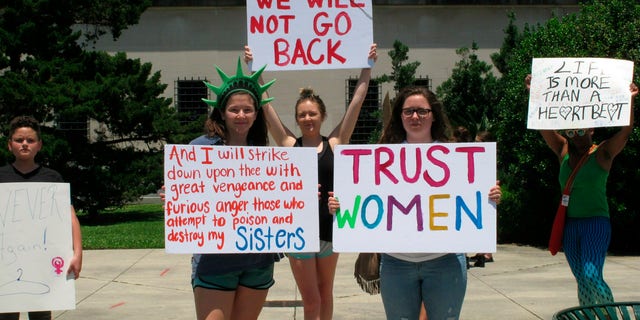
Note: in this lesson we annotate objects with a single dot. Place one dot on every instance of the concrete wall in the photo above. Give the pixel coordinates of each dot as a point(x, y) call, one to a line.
point(188, 41)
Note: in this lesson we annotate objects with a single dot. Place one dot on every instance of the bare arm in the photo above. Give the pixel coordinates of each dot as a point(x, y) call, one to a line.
point(280, 133)
point(556, 142)
point(342, 132)
point(611, 147)
point(76, 262)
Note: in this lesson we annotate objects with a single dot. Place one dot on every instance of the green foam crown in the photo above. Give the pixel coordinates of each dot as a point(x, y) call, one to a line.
point(239, 82)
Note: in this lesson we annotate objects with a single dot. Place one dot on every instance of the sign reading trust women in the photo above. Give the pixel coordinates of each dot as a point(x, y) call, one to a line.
point(225, 199)
point(310, 34)
point(574, 93)
point(415, 198)
point(35, 247)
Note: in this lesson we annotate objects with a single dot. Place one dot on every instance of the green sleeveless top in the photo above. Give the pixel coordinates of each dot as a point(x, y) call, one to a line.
point(588, 196)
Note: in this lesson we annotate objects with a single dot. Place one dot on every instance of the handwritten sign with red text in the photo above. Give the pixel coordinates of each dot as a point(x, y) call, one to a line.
point(35, 247)
point(223, 199)
point(415, 198)
point(575, 93)
point(310, 34)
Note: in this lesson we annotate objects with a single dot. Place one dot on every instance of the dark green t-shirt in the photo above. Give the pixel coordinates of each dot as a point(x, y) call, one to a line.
point(588, 197)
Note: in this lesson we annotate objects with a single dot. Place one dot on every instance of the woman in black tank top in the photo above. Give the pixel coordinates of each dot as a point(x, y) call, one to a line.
point(315, 272)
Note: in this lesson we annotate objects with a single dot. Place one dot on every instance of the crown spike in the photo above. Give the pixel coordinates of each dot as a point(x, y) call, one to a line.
point(239, 73)
point(240, 82)
point(209, 102)
point(225, 78)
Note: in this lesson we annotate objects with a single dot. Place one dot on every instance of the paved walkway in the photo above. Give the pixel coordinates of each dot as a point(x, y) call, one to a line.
point(524, 283)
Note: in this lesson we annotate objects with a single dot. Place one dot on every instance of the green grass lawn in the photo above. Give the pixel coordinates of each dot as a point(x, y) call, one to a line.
point(135, 226)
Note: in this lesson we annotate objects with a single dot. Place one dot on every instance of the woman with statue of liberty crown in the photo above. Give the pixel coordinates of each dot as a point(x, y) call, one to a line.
point(234, 286)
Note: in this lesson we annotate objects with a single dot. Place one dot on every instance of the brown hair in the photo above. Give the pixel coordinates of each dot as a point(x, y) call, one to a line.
point(484, 136)
point(394, 132)
point(24, 122)
point(461, 134)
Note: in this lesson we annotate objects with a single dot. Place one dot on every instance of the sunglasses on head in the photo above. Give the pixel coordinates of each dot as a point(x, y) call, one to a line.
point(572, 133)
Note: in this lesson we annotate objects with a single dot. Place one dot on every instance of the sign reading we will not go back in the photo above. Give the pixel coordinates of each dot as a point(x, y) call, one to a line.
point(310, 34)
point(224, 199)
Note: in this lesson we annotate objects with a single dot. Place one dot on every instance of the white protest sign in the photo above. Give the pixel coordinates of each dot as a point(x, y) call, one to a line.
point(415, 198)
point(35, 247)
point(310, 34)
point(574, 93)
point(224, 199)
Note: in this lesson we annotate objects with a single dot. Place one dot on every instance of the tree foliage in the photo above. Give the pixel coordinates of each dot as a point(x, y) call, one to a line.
point(403, 73)
point(46, 71)
point(469, 95)
point(527, 168)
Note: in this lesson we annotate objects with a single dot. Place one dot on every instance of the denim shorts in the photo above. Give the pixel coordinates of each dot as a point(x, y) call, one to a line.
point(326, 249)
point(256, 278)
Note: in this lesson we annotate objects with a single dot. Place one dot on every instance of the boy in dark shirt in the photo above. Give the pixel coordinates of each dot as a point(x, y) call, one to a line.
point(25, 143)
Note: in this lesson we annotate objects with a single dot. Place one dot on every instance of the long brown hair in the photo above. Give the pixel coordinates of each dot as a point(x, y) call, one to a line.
point(394, 132)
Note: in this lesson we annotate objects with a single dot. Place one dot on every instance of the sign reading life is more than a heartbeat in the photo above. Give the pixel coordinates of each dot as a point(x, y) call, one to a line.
point(574, 93)
point(310, 34)
point(415, 198)
point(227, 199)
point(35, 247)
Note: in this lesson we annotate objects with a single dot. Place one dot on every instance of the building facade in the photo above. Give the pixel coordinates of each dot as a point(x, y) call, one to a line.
point(184, 40)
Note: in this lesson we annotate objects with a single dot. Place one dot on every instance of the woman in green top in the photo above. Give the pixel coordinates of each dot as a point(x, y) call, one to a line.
point(587, 231)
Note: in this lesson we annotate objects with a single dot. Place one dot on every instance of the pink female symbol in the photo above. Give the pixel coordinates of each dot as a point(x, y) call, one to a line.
point(57, 263)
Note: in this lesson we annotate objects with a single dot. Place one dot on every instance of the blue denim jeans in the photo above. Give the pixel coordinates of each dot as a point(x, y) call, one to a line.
point(440, 283)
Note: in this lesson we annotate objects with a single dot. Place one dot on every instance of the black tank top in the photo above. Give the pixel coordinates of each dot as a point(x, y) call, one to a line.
point(325, 179)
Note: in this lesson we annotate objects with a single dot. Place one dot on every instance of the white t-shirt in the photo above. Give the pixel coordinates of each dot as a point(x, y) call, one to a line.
point(417, 257)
